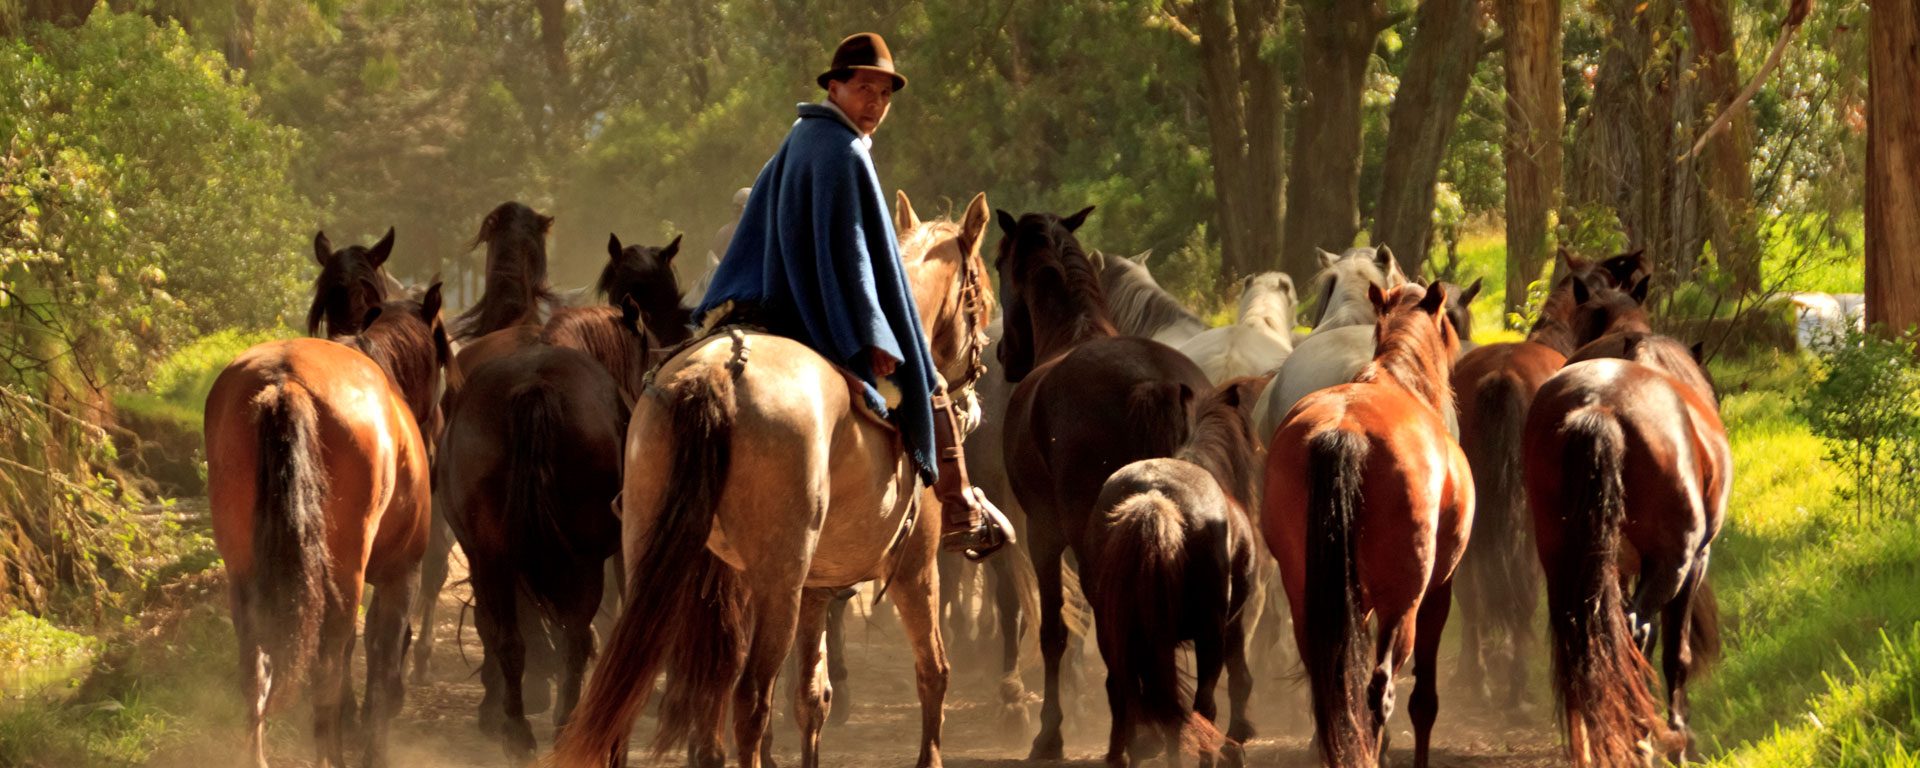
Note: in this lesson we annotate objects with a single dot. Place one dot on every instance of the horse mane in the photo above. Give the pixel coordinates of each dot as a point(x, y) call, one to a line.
point(1222, 440)
point(402, 344)
point(516, 283)
point(1554, 327)
point(600, 332)
point(1137, 304)
point(1093, 316)
point(1411, 352)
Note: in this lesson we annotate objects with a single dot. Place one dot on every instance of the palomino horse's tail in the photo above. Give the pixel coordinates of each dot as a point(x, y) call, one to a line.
point(1599, 675)
point(1137, 596)
point(1335, 650)
point(286, 593)
point(677, 587)
point(1500, 563)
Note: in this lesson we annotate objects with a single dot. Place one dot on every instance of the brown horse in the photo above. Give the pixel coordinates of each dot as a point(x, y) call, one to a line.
point(1626, 460)
point(352, 282)
point(779, 489)
point(516, 289)
point(318, 481)
point(1088, 402)
point(1368, 504)
point(1499, 584)
point(1176, 547)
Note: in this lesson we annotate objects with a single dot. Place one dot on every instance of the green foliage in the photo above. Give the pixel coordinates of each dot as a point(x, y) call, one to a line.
point(1864, 403)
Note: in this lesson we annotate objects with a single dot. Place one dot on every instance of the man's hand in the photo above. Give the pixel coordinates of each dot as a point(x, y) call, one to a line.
point(883, 363)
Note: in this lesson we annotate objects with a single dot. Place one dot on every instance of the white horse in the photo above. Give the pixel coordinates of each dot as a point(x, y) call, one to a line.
point(1259, 341)
point(1140, 307)
point(1340, 288)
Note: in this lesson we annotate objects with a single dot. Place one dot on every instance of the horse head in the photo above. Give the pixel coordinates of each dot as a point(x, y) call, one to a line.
point(351, 282)
point(1053, 298)
point(1416, 341)
point(516, 283)
point(1459, 307)
point(640, 278)
point(1601, 309)
point(1341, 284)
point(950, 285)
point(1269, 296)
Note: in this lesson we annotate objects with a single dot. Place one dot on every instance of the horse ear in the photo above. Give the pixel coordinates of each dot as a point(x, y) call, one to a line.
point(1581, 293)
point(366, 320)
point(1377, 297)
point(1467, 296)
point(1568, 262)
point(1390, 266)
point(1639, 292)
point(1286, 282)
point(381, 250)
point(1231, 397)
point(1436, 299)
point(1699, 352)
point(1141, 257)
point(973, 223)
point(903, 216)
point(613, 246)
point(1007, 222)
point(487, 226)
point(1327, 258)
point(630, 312)
point(673, 249)
point(546, 223)
point(430, 303)
point(1072, 223)
point(322, 248)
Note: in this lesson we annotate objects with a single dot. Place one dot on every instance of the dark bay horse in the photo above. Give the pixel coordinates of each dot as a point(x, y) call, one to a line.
point(516, 289)
point(352, 281)
point(1627, 470)
point(1367, 507)
point(1088, 402)
point(1499, 584)
point(756, 487)
point(1177, 550)
point(318, 482)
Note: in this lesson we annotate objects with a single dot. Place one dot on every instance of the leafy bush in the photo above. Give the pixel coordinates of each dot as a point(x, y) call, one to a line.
point(1864, 404)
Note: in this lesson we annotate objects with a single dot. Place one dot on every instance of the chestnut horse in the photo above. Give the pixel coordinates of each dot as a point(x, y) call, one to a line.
point(1089, 402)
point(318, 482)
point(1177, 553)
point(1626, 459)
point(776, 489)
point(1367, 507)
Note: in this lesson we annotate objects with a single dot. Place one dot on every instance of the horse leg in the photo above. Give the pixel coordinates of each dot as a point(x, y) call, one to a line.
point(1659, 582)
point(543, 659)
point(775, 614)
point(1677, 657)
point(812, 691)
point(256, 680)
point(1239, 690)
point(1047, 549)
point(916, 596)
point(1391, 647)
point(500, 636)
point(330, 667)
point(1209, 658)
point(1013, 692)
point(576, 637)
point(1472, 675)
point(433, 578)
point(837, 607)
point(1425, 706)
point(387, 638)
point(492, 710)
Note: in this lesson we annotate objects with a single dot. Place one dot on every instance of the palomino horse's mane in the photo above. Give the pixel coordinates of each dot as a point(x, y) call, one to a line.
point(922, 243)
point(1413, 351)
point(1139, 306)
point(516, 283)
point(1222, 440)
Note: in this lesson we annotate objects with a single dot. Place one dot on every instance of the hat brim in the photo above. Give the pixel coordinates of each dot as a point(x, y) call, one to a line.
point(899, 81)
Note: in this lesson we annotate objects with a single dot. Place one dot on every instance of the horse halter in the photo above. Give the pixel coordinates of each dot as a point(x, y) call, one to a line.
point(971, 305)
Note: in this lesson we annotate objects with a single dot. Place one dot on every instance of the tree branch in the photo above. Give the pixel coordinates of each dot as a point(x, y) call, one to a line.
point(1796, 15)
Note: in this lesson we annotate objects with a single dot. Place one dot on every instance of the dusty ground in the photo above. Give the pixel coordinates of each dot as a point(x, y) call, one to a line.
point(437, 728)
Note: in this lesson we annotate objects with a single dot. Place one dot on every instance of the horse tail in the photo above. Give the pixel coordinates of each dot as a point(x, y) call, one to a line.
point(1335, 650)
point(677, 592)
point(286, 593)
point(540, 551)
point(1138, 597)
point(1600, 677)
point(1500, 553)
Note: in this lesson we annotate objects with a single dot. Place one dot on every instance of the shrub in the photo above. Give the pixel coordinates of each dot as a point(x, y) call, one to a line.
point(1864, 404)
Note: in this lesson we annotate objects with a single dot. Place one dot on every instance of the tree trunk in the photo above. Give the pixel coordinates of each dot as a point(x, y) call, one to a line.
point(239, 45)
point(1893, 166)
point(1440, 63)
point(1323, 181)
point(1725, 175)
point(1532, 145)
point(1244, 96)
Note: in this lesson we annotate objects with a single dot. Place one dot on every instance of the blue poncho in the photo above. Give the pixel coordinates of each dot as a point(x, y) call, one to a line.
point(816, 253)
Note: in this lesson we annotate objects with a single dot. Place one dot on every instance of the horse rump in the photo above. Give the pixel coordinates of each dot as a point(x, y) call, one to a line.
point(682, 603)
point(286, 593)
point(1600, 678)
point(1334, 650)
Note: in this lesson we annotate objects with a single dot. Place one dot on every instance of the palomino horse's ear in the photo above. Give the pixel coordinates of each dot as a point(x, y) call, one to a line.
point(1466, 296)
point(1436, 299)
point(613, 246)
point(1377, 297)
point(1639, 292)
point(322, 248)
point(1072, 223)
point(1007, 222)
point(377, 255)
point(903, 216)
point(1327, 258)
point(973, 223)
point(673, 249)
point(1141, 257)
point(1581, 293)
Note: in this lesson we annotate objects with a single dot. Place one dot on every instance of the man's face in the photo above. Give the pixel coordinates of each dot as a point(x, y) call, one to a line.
point(865, 98)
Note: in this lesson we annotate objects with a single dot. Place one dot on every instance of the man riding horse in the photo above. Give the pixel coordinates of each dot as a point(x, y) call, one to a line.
point(815, 258)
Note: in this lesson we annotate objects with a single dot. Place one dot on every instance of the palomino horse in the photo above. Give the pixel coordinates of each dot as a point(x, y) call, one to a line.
point(1499, 584)
point(529, 470)
point(1328, 356)
point(318, 481)
point(1089, 401)
point(1177, 554)
point(779, 490)
point(1259, 341)
point(1368, 504)
point(1139, 306)
point(1626, 458)
point(351, 283)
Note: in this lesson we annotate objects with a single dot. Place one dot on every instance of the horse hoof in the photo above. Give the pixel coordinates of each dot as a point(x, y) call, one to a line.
point(1047, 746)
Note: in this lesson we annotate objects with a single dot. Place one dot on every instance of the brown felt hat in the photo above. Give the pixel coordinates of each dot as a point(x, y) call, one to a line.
point(861, 51)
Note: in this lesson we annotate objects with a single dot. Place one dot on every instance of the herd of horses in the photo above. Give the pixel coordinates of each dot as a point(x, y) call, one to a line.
point(709, 494)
